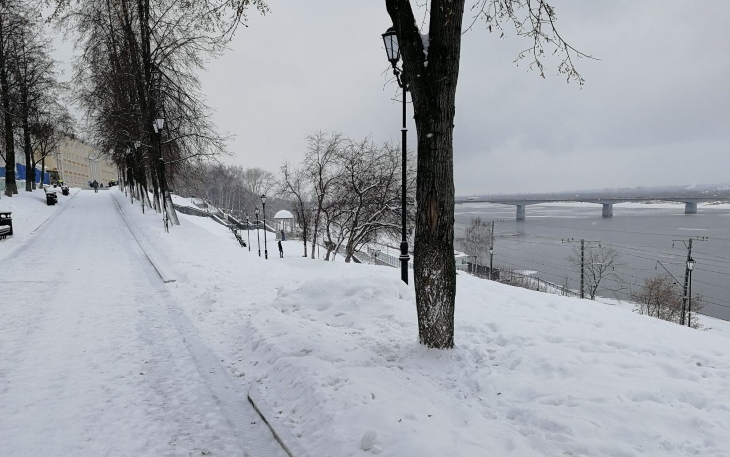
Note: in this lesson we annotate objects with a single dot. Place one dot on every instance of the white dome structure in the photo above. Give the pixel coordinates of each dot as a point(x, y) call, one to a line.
point(283, 214)
point(284, 223)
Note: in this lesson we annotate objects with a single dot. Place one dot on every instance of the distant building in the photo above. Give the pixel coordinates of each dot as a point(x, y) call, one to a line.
point(76, 163)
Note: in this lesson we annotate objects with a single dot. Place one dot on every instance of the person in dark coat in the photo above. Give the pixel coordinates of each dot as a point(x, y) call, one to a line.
point(281, 250)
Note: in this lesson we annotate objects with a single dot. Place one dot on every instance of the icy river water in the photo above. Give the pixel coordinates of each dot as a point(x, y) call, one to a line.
point(643, 234)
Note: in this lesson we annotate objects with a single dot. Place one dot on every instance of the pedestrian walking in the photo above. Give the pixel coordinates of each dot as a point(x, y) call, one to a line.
point(96, 186)
point(281, 250)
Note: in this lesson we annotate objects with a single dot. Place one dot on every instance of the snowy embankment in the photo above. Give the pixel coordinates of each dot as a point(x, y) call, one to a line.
point(333, 349)
point(30, 211)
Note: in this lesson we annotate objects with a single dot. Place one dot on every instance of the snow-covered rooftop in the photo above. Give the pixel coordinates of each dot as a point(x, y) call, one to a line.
point(283, 214)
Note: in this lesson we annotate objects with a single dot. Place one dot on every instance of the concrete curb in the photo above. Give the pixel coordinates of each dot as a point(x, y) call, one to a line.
point(166, 278)
point(282, 434)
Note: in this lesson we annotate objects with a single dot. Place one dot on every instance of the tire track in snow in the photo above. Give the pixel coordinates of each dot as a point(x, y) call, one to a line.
point(253, 434)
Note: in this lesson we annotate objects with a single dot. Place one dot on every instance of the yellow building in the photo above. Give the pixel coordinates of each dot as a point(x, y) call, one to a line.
point(77, 163)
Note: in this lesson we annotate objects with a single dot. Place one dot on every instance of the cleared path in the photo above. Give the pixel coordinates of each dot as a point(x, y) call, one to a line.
point(96, 358)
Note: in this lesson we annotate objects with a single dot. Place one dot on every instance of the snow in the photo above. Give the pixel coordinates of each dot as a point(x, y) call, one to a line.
point(426, 41)
point(283, 214)
point(184, 201)
point(30, 211)
point(332, 347)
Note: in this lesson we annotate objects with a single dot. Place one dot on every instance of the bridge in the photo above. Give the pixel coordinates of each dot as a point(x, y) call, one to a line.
point(690, 203)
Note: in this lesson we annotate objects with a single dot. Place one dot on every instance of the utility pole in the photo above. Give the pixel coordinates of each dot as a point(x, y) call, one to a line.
point(491, 252)
point(687, 274)
point(582, 263)
point(686, 282)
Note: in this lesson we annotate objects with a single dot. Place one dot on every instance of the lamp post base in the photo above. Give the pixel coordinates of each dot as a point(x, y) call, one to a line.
point(404, 258)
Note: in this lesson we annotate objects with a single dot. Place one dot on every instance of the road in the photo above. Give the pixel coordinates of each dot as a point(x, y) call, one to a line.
point(97, 359)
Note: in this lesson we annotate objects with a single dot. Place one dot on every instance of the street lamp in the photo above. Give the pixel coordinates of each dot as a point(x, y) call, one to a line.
point(258, 240)
point(263, 204)
point(158, 124)
point(690, 267)
point(127, 158)
point(248, 234)
point(392, 49)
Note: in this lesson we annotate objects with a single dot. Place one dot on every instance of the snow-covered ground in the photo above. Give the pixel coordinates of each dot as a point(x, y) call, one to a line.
point(30, 211)
point(333, 349)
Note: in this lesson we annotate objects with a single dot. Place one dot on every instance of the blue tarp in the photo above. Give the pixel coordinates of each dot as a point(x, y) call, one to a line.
point(20, 174)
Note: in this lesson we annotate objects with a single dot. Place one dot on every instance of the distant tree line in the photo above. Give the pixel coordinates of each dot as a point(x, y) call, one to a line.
point(232, 188)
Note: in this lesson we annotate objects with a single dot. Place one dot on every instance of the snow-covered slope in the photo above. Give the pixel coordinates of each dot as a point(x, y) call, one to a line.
point(30, 211)
point(334, 350)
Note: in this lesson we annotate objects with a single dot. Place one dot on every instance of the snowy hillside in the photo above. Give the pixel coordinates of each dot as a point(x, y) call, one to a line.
point(333, 349)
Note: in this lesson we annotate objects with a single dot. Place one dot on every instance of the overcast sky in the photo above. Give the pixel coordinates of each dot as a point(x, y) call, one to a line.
point(654, 110)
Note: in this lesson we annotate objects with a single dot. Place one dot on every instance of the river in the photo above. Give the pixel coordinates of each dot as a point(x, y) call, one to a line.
point(642, 234)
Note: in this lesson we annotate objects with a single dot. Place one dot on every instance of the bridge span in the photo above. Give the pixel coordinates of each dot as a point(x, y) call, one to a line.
point(690, 203)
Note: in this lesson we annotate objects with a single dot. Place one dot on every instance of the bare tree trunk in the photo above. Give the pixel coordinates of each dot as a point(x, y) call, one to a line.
point(27, 147)
point(431, 80)
point(43, 170)
point(11, 186)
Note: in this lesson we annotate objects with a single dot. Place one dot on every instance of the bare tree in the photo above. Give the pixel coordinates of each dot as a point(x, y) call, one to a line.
point(599, 265)
point(139, 62)
point(369, 192)
point(430, 72)
point(335, 226)
point(259, 181)
point(477, 238)
point(661, 297)
point(294, 186)
point(321, 170)
point(48, 127)
point(38, 89)
point(12, 20)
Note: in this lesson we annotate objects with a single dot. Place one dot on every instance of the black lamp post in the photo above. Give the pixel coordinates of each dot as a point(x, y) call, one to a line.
point(132, 157)
point(248, 234)
point(258, 239)
point(393, 51)
point(128, 159)
point(157, 125)
point(690, 267)
point(263, 204)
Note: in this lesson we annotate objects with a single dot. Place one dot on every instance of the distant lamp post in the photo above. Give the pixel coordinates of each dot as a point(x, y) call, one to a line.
point(392, 49)
point(258, 239)
point(248, 234)
point(263, 204)
point(376, 253)
point(690, 267)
